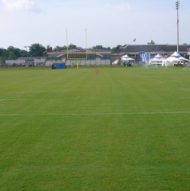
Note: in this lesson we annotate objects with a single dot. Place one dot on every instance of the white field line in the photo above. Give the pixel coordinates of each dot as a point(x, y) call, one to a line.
point(13, 100)
point(93, 114)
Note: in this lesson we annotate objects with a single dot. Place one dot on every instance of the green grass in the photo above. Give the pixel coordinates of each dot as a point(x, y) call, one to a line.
point(100, 129)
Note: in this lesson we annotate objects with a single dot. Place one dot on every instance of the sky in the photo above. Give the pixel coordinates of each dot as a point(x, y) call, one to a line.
point(106, 22)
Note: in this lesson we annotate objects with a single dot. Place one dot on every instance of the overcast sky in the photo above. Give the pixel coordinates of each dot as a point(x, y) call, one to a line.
point(108, 22)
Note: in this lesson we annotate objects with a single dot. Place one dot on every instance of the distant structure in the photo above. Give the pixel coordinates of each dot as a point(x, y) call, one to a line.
point(26, 62)
point(177, 8)
point(143, 53)
point(79, 56)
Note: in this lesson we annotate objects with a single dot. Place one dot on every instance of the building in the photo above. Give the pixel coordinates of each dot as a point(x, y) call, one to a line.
point(143, 53)
point(79, 56)
point(27, 62)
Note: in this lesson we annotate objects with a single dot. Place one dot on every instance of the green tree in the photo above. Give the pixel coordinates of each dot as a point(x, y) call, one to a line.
point(13, 51)
point(2, 56)
point(11, 55)
point(24, 53)
point(100, 47)
point(49, 48)
point(72, 46)
point(60, 48)
point(116, 49)
point(37, 50)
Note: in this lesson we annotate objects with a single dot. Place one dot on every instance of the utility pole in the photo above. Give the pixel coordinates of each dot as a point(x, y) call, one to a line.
point(177, 8)
point(86, 44)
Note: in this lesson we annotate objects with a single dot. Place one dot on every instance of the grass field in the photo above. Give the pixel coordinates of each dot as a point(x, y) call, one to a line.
point(98, 129)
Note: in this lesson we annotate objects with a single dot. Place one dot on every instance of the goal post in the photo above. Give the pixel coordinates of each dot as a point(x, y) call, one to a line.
point(76, 54)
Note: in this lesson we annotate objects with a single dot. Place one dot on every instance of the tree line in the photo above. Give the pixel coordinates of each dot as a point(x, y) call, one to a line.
point(11, 53)
point(38, 50)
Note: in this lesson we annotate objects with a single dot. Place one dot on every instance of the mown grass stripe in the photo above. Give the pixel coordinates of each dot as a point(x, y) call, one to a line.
point(95, 114)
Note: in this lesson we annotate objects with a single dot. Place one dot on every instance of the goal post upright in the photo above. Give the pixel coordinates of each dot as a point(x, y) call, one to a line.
point(67, 49)
point(67, 43)
point(86, 38)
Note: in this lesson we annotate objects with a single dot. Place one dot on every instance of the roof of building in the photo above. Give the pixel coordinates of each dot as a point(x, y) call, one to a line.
point(155, 48)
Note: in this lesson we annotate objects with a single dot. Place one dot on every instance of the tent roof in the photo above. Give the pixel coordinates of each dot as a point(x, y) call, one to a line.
point(126, 58)
point(157, 59)
point(176, 54)
point(155, 48)
point(172, 59)
point(158, 56)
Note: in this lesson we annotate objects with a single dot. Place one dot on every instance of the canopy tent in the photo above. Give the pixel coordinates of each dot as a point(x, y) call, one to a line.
point(174, 59)
point(126, 60)
point(115, 62)
point(177, 55)
point(157, 60)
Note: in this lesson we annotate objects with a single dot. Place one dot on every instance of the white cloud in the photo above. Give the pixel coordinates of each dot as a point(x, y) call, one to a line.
point(18, 4)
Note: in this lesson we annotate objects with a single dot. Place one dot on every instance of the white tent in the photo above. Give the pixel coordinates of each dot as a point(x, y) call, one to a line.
point(157, 60)
point(177, 55)
point(126, 58)
point(175, 58)
point(115, 62)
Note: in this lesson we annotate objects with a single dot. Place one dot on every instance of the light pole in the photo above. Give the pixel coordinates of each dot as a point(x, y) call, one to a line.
point(177, 8)
point(86, 43)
